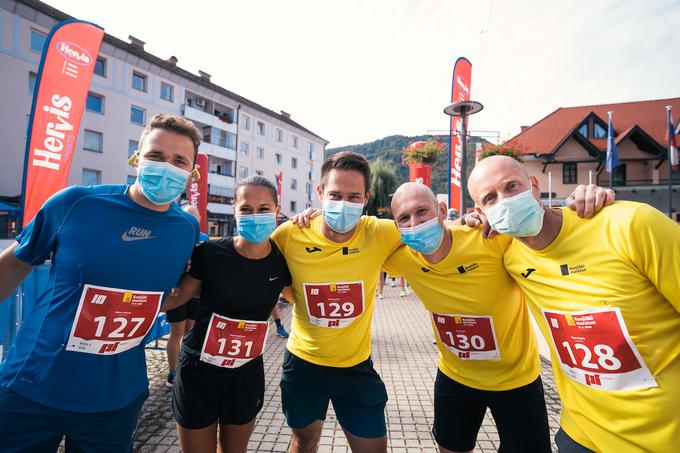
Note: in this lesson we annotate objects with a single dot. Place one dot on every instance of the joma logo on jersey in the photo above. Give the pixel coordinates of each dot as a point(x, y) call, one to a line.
point(98, 299)
point(108, 347)
point(221, 325)
point(136, 234)
point(312, 249)
point(335, 323)
point(593, 379)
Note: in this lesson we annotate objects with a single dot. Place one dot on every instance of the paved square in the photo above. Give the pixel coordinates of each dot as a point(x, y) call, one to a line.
point(404, 356)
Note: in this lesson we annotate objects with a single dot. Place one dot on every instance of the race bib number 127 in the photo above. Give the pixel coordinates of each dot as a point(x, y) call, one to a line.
point(110, 320)
point(595, 349)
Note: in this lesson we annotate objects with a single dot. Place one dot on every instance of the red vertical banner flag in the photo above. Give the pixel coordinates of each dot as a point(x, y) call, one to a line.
point(460, 91)
point(198, 191)
point(63, 80)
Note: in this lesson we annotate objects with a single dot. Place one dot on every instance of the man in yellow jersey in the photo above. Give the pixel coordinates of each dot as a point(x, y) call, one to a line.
point(335, 266)
point(488, 356)
point(606, 296)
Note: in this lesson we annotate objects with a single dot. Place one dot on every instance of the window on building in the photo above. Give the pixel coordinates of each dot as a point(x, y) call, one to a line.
point(278, 158)
point(167, 91)
point(260, 152)
point(93, 141)
point(293, 184)
point(138, 81)
point(599, 131)
point(244, 148)
point(279, 135)
point(38, 39)
point(137, 115)
point(246, 122)
point(242, 172)
point(619, 175)
point(100, 67)
point(293, 162)
point(231, 140)
point(312, 154)
point(94, 103)
point(569, 173)
point(131, 179)
point(133, 146)
point(91, 177)
point(293, 206)
point(295, 141)
point(583, 130)
point(32, 78)
point(261, 128)
point(309, 190)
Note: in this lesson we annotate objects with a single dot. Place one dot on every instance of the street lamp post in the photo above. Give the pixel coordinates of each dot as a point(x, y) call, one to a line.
point(463, 109)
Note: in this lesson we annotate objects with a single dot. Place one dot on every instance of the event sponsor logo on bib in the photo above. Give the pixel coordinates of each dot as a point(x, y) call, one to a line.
point(231, 343)
point(334, 305)
point(111, 320)
point(469, 337)
point(595, 349)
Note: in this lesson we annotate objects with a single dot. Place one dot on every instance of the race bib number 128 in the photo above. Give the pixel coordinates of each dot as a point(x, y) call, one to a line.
point(110, 320)
point(595, 349)
point(334, 305)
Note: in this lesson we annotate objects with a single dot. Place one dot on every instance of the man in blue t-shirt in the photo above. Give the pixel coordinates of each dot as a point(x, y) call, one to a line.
point(77, 368)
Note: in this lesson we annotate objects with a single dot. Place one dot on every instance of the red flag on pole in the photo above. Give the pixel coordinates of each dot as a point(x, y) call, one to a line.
point(460, 91)
point(63, 80)
point(198, 191)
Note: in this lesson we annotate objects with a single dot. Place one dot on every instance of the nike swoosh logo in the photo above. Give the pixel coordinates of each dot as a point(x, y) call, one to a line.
point(127, 238)
point(272, 279)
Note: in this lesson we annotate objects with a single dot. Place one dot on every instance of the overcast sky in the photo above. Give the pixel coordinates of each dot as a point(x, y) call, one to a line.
point(354, 71)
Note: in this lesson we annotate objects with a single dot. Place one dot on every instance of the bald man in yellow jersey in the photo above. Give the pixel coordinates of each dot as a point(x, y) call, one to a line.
point(488, 356)
point(606, 296)
point(335, 266)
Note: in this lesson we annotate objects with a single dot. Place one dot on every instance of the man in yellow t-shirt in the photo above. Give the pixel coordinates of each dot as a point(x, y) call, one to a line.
point(487, 350)
point(335, 266)
point(606, 296)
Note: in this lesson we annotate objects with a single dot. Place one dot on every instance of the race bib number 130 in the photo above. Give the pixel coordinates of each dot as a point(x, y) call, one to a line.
point(595, 349)
point(110, 320)
point(334, 305)
point(469, 337)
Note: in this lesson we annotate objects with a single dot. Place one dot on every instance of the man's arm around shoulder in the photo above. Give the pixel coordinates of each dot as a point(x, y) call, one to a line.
point(12, 271)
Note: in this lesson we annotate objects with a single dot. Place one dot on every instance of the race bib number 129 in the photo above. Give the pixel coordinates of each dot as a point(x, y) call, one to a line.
point(595, 349)
point(110, 320)
point(334, 305)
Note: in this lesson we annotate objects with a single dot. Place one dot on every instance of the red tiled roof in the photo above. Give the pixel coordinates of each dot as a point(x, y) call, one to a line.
point(544, 136)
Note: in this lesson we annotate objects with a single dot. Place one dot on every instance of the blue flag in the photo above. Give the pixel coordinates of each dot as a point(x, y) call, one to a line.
point(612, 154)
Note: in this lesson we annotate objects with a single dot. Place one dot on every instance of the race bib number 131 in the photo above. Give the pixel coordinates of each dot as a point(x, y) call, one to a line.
point(595, 349)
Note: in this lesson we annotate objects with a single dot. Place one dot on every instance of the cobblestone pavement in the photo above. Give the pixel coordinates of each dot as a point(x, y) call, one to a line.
point(404, 356)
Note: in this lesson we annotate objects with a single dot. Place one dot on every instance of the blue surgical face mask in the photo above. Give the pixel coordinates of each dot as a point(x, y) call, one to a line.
point(161, 182)
point(342, 216)
point(424, 238)
point(256, 228)
point(520, 215)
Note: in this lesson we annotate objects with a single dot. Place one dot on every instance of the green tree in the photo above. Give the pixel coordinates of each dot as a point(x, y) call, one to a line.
point(384, 181)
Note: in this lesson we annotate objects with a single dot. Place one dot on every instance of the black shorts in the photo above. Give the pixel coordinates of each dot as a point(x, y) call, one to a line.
point(357, 392)
point(183, 312)
point(520, 414)
point(203, 394)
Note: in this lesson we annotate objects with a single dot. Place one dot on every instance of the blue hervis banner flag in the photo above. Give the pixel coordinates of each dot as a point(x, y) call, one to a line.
point(61, 88)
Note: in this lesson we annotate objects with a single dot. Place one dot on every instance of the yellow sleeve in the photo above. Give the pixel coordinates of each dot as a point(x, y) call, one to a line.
point(655, 247)
point(391, 238)
point(280, 235)
point(391, 264)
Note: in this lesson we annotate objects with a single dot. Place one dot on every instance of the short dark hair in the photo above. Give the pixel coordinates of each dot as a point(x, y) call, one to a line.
point(259, 181)
point(176, 124)
point(348, 160)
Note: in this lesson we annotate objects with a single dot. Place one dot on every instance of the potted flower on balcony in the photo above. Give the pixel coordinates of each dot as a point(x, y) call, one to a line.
point(425, 152)
point(512, 149)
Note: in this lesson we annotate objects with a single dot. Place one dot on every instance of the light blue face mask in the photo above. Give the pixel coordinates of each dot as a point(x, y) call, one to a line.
point(424, 238)
point(256, 228)
point(161, 182)
point(519, 216)
point(342, 216)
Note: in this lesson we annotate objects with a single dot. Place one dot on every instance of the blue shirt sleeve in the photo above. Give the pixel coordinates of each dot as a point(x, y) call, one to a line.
point(39, 239)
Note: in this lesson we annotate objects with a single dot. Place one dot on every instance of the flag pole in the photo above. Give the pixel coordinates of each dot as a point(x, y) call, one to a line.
point(669, 110)
point(550, 189)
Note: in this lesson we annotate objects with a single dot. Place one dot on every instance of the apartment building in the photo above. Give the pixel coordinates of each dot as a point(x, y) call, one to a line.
point(130, 85)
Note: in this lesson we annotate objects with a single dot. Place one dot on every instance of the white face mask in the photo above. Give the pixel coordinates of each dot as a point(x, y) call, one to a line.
point(519, 216)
